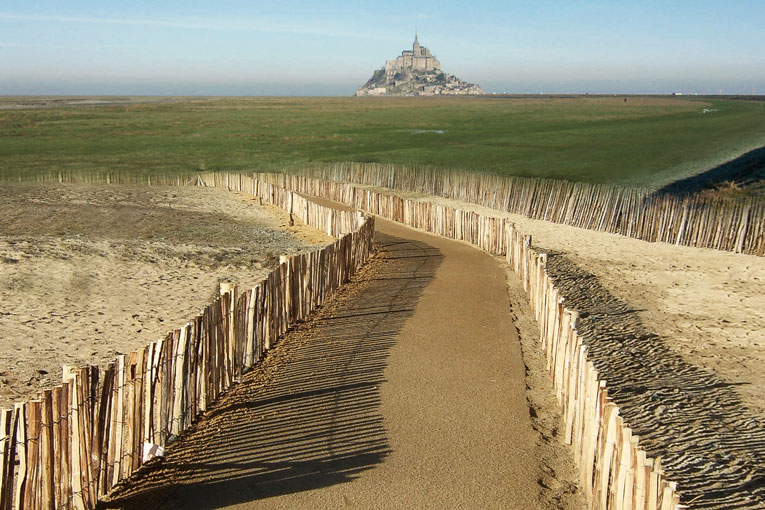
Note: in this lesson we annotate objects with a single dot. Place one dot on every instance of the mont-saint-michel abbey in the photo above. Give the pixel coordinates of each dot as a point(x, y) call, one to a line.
point(416, 72)
point(416, 59)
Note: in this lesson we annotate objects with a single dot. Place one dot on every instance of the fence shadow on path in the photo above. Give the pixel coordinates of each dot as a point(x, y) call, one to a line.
point(316, 420)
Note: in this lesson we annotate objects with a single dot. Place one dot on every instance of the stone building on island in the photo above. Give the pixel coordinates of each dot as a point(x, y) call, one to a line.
point(418, 58)
point(415, 72)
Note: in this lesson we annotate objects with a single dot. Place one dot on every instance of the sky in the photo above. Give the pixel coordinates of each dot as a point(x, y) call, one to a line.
point(297, 47)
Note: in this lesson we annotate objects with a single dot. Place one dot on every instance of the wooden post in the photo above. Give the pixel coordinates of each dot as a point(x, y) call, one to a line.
point(605, 449)
point(20, 426)
point(76, 409)
point(249, 349)
point(638, 498)
point(139, 373)
point(165, 387)
point(653, 498)
point(148, 395)
point(7, 454)
point(31, 494)
point(180, 372)
point(65, 445)
point(572, 390)
point(47, 453)
point(202, 370)
point(118, 414)
point(128, 402)
point(102, 432)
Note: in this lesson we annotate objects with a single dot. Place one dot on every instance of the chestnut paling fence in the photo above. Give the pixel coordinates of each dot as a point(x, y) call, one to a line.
point(72, 445)
point(690, 220)
point(69, 447)
point(698, 220)
point(614, 470)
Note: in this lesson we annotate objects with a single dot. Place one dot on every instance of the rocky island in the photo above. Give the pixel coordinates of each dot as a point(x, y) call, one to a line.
point(415, 72)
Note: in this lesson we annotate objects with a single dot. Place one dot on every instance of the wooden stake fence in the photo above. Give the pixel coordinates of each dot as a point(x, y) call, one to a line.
point(721, 223)
point(614, 470)
point(73, 444)
point(691, 220)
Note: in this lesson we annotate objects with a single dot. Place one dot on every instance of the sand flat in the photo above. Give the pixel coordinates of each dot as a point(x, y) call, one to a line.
point(87, 271)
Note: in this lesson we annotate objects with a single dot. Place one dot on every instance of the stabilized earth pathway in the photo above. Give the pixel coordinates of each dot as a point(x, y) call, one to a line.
point(407, 392)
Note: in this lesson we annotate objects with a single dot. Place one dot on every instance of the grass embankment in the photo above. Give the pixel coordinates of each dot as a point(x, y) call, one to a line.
point(644, 141)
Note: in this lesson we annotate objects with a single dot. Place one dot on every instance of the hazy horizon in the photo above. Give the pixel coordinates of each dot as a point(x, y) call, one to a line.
point(298, 48)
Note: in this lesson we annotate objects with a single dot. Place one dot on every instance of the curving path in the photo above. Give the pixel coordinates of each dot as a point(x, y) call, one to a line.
point(407, 392)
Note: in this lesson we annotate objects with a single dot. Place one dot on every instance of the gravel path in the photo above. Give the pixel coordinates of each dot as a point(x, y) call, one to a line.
point(407, 392)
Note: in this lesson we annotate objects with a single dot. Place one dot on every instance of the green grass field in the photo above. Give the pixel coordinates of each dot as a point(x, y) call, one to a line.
point(644, 141)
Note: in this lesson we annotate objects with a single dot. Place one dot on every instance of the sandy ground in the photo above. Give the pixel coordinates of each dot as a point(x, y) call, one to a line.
point(677, 333)
point(707, 305)
point(409, 391)
point(87, 272)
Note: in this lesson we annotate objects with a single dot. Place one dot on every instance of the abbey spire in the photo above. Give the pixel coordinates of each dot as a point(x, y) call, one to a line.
point(415, 72)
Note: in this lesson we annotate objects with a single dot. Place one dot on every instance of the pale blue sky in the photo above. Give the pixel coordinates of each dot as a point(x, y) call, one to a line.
point(233, 47)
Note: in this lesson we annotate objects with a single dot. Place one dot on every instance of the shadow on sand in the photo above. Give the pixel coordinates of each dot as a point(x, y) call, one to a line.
point(316, 422)
point(745, 170)
point(710, 443)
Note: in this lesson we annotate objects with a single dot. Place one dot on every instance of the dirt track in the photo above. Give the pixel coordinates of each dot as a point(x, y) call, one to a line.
point(408, 392)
